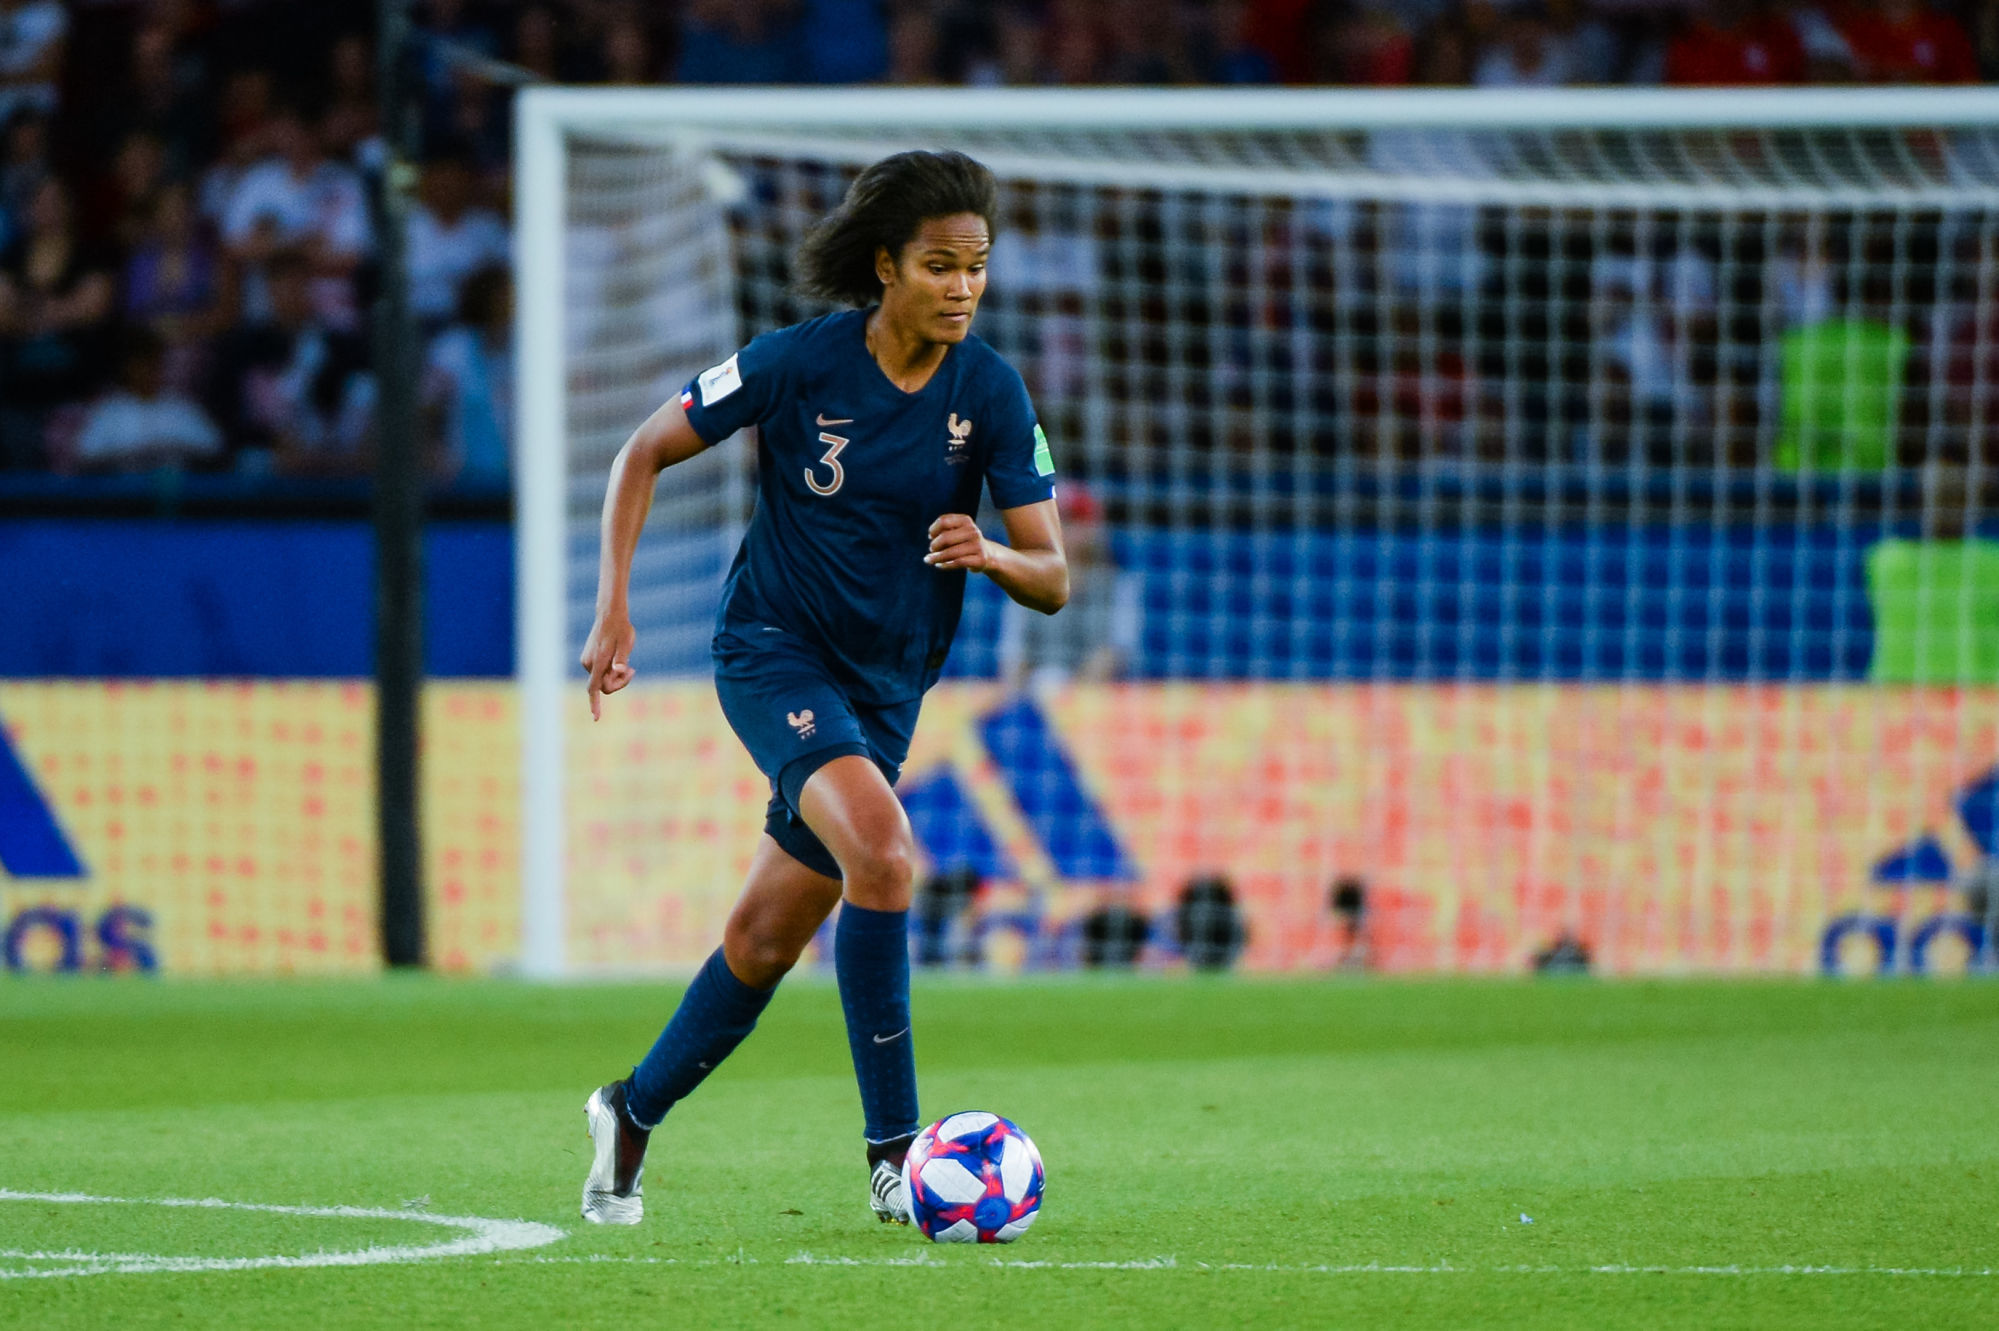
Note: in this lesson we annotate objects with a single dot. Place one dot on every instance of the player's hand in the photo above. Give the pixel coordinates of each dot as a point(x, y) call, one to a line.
point(607, 656)
point(957, 542)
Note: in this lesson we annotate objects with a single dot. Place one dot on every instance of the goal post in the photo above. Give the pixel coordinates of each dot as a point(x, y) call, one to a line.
point(1356, 376)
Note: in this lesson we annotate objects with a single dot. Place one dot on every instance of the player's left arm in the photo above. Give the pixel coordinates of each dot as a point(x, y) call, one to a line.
point(1030, 567)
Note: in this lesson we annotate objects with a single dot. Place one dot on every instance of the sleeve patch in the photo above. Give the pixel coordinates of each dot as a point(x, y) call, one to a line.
point(719, 382)
point(1044, 461)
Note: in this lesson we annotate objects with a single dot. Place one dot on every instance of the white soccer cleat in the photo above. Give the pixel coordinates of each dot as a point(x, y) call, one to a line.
point(612, 1194)
point(888, 1195)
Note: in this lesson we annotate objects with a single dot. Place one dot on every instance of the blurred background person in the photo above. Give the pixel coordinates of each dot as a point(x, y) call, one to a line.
point(1096, 637)
point(469, 383)
point(33, 39)
point(177, 284)
point(57, 302)
point(293, 390)
point(297, 198)
point(1722, 44)
point(1907, 41)
point(451, 236)
point(142, 424)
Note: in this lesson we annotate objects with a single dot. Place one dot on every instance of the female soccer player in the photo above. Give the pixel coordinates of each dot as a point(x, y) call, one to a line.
point(876, 428)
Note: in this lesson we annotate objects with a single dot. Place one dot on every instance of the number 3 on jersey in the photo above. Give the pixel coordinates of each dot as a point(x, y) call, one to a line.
point(831, 459)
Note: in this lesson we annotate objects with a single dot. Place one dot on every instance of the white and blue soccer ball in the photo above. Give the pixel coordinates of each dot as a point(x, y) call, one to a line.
point(973, 1178)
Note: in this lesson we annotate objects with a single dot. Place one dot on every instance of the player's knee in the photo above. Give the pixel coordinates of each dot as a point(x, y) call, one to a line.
point(880, 869)
point(758, 957)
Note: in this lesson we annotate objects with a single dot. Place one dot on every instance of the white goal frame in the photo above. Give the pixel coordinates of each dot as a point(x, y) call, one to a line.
point(549, 682)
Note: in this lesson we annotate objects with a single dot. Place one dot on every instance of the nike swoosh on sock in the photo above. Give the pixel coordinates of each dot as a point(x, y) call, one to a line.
point(884, 1039)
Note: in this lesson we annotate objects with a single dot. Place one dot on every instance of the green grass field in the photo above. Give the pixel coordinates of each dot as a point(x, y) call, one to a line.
point(1219, 1153)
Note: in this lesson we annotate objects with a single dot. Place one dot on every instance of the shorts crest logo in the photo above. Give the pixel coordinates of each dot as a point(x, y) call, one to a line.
point(802, 722)
point(960, 446)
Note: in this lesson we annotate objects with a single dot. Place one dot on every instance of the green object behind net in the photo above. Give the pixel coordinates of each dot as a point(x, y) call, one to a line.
point(1936, 611)
point(1842, 392)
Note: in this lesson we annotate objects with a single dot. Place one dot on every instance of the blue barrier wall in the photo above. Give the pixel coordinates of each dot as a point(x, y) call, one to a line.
point(149, 598)
point(93, 598)
point(1576, 604)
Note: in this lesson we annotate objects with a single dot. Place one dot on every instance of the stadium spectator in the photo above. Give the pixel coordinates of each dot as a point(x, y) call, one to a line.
point(627, 53)
point(1096, 637)
point(1155, 44)
point(1014, 57)
point(450, 237)
point(1233, 56)
point(246, 109)
point(163, 98)
point(473, 125)
point(1527, 54)
point(1726, 46)
point(297, 198)
point(126, 193)
point(33, 36)
point(1983, 26)
point(56, 304)
point(1075, 43)
point(1588, 47)
point(1277, 28)
point(24, 168)
point(469, 385)
point(914, 41)
point(351, 119)
point(176, 283)
point(739, 41)
point(1956, 377)
point(1905, 41)
point(292, 387)
point(1646, 318)
point(1444, 57)
point(455, 29)
point(1828, 56)
point(1367, 46)
point(538, 44)
point(142, 424)
point(846, 41)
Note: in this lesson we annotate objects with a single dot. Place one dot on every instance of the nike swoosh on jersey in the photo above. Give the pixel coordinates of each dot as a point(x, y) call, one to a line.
point(845, 420)
point(884, 1039)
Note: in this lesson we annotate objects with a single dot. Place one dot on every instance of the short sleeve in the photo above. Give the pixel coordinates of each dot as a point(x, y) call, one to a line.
point(1021, 471)
point(742, 390)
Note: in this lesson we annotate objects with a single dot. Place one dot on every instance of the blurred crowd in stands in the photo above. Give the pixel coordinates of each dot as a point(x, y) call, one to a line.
point(185, 222)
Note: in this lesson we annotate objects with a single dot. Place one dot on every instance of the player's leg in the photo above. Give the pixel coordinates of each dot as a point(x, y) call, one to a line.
point(850, 808)
point(783, 904)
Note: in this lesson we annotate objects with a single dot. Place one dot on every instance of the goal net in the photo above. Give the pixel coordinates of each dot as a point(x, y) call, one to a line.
point(1496, 521)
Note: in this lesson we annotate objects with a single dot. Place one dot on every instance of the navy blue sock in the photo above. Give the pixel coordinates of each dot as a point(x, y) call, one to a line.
point(871, 957)
point(714, 1015)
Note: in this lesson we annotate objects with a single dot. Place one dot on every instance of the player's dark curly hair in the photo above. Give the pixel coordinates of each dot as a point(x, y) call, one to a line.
point(883, 208)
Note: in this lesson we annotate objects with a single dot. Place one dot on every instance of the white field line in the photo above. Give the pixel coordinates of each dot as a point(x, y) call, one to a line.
point(1355, 1268)
point(478, 1237)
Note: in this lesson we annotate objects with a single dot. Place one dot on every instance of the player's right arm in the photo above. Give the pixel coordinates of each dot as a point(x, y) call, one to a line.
point(664, 439)
point(721, 400)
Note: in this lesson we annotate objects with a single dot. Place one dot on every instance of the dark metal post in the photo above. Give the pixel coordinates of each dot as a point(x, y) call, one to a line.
point(398, 511)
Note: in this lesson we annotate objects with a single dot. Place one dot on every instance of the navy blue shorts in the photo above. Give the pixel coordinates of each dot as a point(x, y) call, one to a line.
point(794, 718)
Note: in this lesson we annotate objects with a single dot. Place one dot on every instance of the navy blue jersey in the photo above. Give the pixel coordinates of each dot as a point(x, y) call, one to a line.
point(851, 472)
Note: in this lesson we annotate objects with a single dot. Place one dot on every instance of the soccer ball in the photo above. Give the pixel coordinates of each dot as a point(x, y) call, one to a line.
point(973, 1178)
